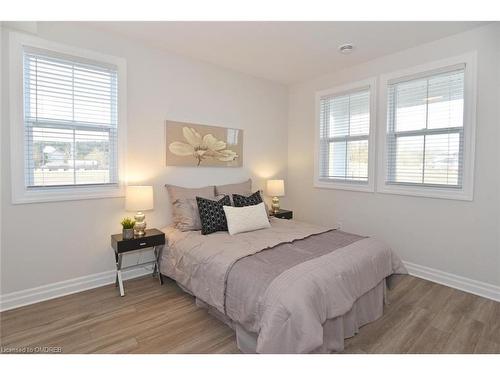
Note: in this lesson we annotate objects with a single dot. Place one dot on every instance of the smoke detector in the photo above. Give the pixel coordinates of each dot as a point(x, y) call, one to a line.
point(346, 48)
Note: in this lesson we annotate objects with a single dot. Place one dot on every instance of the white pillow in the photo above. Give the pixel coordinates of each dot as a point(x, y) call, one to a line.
point(246, 219)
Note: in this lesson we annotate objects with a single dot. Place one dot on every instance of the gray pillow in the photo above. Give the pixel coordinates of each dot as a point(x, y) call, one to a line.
point(243, 188)
point(185, 210)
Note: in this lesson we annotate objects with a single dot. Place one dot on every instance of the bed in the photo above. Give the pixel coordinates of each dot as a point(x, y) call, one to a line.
point(291, 288)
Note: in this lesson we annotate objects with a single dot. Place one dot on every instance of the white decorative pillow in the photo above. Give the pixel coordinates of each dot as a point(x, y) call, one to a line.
point(246, 219)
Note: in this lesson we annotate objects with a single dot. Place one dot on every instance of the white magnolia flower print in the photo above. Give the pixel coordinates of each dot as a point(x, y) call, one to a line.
point(201, 147)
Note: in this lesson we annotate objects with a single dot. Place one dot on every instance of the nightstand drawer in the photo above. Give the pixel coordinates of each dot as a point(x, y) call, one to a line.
point(283, 214)
point(152, 238)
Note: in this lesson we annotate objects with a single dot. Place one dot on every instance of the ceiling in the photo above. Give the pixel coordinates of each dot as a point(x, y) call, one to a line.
point(285, 52)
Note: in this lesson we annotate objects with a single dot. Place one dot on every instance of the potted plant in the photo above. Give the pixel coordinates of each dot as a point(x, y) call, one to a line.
point(128, 228)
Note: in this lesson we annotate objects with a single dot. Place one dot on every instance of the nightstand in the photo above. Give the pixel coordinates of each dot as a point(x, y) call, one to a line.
point(283, 214)
point(153, 238)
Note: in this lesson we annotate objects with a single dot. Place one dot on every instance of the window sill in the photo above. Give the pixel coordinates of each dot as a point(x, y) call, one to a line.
point(353, 186)
point(427, 192)
point(66, 194)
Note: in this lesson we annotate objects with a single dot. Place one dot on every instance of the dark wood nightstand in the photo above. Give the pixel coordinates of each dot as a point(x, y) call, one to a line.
point(153, 238)
point(283, 214)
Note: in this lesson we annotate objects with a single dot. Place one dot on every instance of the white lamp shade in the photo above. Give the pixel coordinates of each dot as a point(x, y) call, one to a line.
point(276, 188)
point(139, 198)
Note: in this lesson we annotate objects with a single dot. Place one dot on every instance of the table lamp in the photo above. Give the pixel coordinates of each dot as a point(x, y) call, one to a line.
point(275, 189)
point(139, 198)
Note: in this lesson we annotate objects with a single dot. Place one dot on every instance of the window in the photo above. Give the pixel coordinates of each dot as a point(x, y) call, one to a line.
point(67, 122)
point(344, 136)
point(425, 130)
point(70, 121)
point(429, 133)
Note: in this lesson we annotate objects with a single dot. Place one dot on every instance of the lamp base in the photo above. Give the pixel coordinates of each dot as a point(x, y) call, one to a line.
point(140, 224)
point(275, 205)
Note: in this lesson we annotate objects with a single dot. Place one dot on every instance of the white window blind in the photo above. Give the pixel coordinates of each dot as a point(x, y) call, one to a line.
point(344, 136)
point(425, 130)
point(70, 120)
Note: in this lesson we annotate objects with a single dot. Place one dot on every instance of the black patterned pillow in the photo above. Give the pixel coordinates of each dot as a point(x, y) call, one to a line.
point(212, 216)
point(251, 200)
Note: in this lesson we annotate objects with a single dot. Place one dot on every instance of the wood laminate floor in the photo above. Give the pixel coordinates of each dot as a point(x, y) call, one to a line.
point(423, 317)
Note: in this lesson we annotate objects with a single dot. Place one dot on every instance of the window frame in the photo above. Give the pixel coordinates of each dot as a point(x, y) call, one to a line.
point(20, 191)
point(466, 192)
point(369, 186)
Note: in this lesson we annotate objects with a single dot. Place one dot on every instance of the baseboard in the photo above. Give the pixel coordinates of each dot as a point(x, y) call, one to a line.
point(479, 288)
point(63, 288)
point(28, 296)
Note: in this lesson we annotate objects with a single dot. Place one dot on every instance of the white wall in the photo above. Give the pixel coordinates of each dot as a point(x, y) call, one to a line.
point(51, 242)
point(1, 133)
point(457, 237)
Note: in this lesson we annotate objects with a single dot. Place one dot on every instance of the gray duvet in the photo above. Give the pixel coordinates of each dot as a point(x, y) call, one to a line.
point(281, 283)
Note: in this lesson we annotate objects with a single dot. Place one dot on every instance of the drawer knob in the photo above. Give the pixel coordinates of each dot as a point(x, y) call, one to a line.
point(142, 244)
